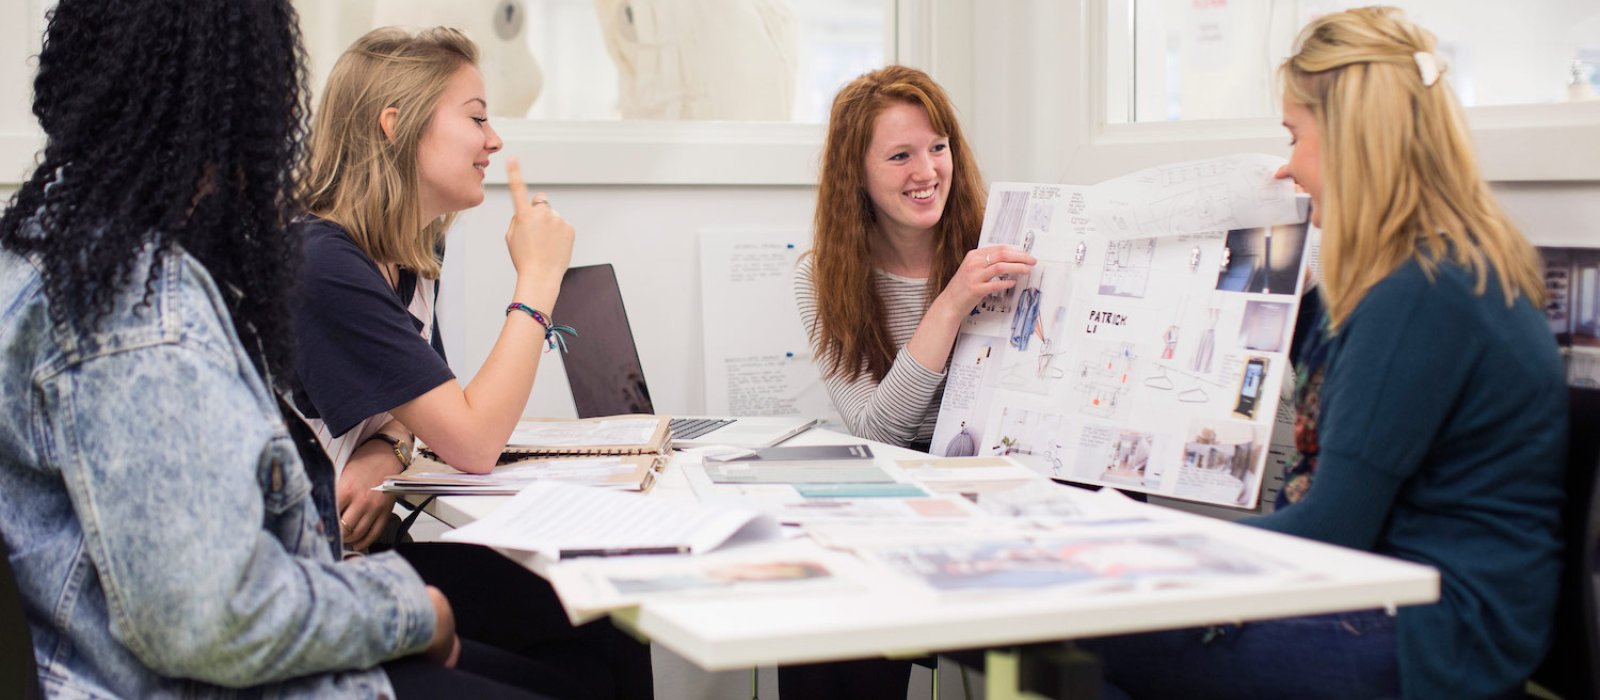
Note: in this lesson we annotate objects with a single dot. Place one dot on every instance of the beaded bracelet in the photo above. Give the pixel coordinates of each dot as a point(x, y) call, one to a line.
point(553, 334)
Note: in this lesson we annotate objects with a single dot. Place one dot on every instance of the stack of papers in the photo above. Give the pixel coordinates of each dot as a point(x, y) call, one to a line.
point(1097, 562)
point(620, 473)
point(564, 521)
point(632, 434)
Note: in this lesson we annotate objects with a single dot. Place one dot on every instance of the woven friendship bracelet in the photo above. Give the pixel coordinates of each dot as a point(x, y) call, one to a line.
point(554, 335)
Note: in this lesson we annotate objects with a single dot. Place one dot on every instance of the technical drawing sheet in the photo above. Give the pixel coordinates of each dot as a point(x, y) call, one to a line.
point(1148, 347)
point(757, 357)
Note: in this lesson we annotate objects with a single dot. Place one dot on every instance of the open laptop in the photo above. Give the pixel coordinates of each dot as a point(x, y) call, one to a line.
point(607, 379)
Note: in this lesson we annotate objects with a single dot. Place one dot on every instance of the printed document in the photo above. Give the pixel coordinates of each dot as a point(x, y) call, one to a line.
point(563, 521)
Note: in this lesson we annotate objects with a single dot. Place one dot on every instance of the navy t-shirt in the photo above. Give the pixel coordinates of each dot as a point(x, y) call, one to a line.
point(360, 351)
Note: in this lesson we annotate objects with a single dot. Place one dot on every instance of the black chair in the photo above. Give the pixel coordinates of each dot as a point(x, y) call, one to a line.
point(19, 677)
point(1572, 668)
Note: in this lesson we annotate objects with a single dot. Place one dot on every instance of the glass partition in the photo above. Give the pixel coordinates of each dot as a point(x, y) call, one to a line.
point(1172, 60)
point(598, 60)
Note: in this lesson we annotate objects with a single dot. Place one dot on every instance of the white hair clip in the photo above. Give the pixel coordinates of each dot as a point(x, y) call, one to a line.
point(1428, 66)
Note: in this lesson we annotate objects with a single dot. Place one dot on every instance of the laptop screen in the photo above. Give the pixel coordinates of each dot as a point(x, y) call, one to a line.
point(602, 361)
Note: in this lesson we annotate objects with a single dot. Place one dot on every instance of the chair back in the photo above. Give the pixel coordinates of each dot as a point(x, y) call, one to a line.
point(19, 676)
point(1586, 562)
point(1572, 668)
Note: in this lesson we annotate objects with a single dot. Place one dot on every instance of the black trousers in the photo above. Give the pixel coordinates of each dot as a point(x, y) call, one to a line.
point(482, 672)
point(866, 679)
point(499, 604)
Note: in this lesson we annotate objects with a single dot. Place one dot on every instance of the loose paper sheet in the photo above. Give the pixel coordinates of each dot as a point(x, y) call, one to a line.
point(588, 587)
point(550, 517)
point(758, 359)
point(555, 434)
point(1202, 195)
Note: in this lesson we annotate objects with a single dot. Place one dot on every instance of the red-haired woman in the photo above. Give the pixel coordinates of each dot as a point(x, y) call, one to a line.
point(893, 269)
point(891, 274)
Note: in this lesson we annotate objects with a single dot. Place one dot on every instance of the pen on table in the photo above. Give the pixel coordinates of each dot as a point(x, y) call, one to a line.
point(621, 551)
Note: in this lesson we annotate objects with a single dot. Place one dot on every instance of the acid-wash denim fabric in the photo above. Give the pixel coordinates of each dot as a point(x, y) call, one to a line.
point(160, 522)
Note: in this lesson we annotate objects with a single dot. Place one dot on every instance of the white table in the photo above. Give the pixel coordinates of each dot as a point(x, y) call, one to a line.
point(740, 633)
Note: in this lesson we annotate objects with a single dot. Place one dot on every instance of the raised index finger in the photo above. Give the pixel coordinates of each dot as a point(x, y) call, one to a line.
point(519, 191)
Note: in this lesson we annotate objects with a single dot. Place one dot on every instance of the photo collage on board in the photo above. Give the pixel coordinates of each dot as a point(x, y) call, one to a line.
point(1150, 363)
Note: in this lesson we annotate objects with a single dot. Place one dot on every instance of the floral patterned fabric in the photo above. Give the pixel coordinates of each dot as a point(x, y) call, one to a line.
point(1310, 354)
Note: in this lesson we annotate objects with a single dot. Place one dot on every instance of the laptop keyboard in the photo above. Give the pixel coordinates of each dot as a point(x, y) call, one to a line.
point(691, 428)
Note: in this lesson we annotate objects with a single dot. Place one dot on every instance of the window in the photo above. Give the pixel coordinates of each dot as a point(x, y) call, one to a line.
point(598, 60)
point(1216, 59)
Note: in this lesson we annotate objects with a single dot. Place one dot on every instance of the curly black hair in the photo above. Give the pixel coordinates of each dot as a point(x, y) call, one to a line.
point(171, 123)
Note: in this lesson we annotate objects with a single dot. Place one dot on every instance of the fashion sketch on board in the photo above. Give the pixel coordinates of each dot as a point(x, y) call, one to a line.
point(1038, 324)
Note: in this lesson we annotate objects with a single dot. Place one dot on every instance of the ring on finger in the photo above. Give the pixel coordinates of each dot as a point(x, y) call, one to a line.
point(988, 258)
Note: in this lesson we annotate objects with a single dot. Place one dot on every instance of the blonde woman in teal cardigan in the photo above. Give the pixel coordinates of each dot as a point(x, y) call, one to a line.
point(1442, 424)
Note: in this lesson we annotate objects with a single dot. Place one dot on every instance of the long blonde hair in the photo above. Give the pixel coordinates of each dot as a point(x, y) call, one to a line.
point(851, 337)
point(1400, 180)
point(359, 177)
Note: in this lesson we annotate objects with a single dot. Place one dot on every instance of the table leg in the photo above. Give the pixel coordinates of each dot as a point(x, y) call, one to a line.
point(1058, 670)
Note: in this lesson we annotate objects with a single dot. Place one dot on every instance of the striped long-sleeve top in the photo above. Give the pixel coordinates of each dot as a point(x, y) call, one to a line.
point(903, 407)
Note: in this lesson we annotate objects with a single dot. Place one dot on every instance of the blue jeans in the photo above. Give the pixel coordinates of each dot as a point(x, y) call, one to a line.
point(1341, 657)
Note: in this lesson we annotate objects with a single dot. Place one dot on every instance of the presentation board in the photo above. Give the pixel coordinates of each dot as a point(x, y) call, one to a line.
point(1148, 347)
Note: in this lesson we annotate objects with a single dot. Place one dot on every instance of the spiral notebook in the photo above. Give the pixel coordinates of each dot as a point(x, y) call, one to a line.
point(634, 434)
point(622, 473)
point(565, 437)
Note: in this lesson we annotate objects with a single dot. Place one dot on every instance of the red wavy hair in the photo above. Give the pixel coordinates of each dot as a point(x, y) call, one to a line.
point(850, 338)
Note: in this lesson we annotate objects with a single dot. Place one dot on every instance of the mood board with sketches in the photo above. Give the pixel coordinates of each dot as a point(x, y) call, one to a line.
point(1148, 347)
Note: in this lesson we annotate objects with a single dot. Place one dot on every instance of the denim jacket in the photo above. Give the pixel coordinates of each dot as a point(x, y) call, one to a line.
point(160, 522)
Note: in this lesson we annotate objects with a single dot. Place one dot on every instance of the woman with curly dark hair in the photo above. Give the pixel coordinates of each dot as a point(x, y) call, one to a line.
point(162, 528)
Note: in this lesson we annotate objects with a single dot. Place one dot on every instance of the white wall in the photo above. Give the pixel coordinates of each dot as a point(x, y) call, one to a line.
point(1554, 213)
point(651, 236)
point(1014, 68)
point(21, 34)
